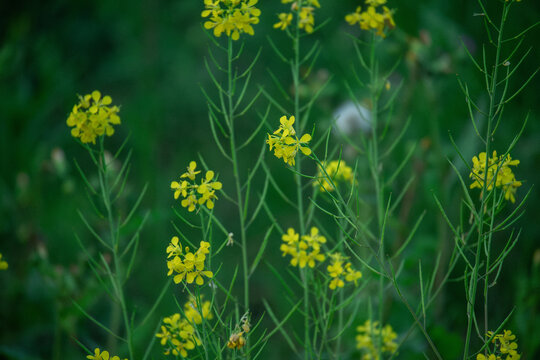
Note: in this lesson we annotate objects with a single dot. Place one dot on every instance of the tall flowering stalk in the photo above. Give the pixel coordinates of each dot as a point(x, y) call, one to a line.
point(491, 174)
point(234, 18)
point(494, 176)
point(91, 120)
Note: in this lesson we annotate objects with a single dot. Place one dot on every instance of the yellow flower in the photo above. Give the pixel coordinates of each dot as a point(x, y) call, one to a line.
point(232, 17)
point(490, 357)
point(304, 252)
point(339, 270)
point(196, 194)
point(336, 170)
point(191, 267)
point(177, 336)
point(207, 190)
point(306, 19)
point(3, 264)
point(192, 313)
point(286, 127)
point(93, 117)
point(372, 19)
point(284, 21)
point(354, 18)
point(286, 145)
point(367, 339)
point(314, 239)
point(304, 10)
point(98, 355)
point(174, 248)
point(190, 173)
point(498, 174)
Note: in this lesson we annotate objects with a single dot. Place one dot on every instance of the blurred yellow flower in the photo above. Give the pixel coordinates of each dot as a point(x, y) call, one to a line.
point(304, 10)
point(367, 339)
point(284, 21)
point(177, 336)
point(194, 315)
point(505, 347)
point(341, 271)
point(93, 117)
point(3, 264)
point(337, 171)
point(99, 355)
point(372, 18)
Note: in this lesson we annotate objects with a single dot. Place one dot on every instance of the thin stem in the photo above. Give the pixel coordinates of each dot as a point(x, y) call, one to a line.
point(297, 177)
point(239, 198)
point(480, 222)
point(375, 173)
point(118, 278)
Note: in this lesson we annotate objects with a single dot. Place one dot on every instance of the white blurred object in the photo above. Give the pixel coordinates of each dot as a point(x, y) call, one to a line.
point(351, 117)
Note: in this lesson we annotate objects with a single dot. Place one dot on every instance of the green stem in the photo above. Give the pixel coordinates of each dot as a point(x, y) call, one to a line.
point(298, 178)
point(375, 173)
point(481, 235)
point(234, 157)
point(117, 279)
point(239, 198)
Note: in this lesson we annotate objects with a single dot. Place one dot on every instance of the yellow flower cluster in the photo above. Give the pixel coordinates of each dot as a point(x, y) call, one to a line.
point(498, 168)
point(304, 250)
point(93, 117)
point(304, 9)
point(372, 19)
point(339, 270)
point(505, 347)
point(368, 338)
point(285, 142)
point(237, 340)
point(178, 333)
point(338, 171)
point(3, 264)
point(232, 17)
point(194, 193)
point(188, 265)
point(99, 355)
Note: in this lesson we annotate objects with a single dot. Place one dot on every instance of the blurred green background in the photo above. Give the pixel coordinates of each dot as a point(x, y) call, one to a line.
point(148, 56)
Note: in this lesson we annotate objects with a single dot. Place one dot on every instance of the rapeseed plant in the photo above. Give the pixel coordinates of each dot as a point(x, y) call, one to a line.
point(187, 332)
